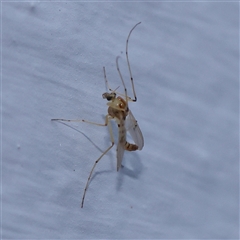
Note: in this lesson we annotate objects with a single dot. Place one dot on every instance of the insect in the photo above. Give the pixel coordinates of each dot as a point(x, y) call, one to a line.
point(119, 111)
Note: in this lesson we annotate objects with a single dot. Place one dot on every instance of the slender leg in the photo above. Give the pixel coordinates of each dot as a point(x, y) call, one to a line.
point(106, 81)
point(125, 89)
point(134, 93)
point(82, 120)
point(89, 177)
point(110, 89)
point(129, 98)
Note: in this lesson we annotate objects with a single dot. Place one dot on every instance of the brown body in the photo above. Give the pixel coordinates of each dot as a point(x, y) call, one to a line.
point(120, 116)
point(118, 110)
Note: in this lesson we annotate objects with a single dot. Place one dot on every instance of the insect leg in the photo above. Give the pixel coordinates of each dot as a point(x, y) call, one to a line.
point(82, 120)
point(106, 81)
point(125, 89)
point(112, 140)
point(110, 89)
point(134, 93)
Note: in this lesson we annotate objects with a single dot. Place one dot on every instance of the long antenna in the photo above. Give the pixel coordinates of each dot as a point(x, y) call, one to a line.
point(125, 89)
point(134, 93)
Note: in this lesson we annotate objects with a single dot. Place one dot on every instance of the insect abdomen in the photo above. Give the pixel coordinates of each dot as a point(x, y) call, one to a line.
point(130, 146)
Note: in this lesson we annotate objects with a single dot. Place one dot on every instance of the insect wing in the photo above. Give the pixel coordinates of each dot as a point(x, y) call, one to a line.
point(134, 130)
point(120, 151)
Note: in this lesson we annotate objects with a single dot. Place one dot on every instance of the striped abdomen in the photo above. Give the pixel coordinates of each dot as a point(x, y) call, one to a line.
point(130, 146)
point(122, 138)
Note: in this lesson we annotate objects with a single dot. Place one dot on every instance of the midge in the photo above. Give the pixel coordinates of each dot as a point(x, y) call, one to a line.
point(118, 109)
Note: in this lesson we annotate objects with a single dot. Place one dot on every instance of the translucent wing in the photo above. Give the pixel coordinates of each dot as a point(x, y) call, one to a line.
point(121, 142)
point(134, 130)
point(120, 151)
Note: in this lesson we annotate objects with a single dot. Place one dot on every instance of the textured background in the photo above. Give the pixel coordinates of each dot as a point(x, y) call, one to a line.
point(184, 58)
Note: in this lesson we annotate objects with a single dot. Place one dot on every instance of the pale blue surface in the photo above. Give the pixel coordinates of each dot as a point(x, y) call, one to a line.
point(184, 58)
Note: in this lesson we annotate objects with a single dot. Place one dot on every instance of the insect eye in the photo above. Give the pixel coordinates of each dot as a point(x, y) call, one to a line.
point(109, 98)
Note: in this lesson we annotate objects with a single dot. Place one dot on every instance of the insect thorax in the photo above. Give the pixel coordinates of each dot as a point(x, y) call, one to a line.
point(115, 113)
point(117, 105)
